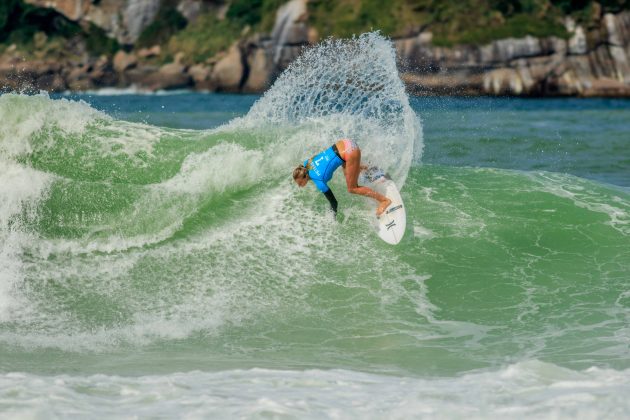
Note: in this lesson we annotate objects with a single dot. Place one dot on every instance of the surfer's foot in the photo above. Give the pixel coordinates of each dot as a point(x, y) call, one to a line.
point(382, 206)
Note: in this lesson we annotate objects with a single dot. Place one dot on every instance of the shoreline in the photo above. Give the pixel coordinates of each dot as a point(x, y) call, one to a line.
point(131, 90)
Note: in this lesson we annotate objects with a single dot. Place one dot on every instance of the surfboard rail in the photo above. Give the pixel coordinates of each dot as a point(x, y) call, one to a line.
point(391, 224)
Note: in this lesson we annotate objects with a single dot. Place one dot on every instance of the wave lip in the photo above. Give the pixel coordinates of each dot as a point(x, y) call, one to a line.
point(347, 88)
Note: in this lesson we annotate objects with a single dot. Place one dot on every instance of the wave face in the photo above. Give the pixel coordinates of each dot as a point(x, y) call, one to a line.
point(129, 249)
point(118, 233)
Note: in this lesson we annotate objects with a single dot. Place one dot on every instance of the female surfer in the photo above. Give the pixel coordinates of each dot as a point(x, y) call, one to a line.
point(320, 168)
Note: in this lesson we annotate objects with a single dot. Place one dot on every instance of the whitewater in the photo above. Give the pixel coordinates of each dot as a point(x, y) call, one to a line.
point(156, 259)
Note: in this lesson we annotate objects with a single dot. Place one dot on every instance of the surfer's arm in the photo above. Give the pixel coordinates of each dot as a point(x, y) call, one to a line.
point(332, 200)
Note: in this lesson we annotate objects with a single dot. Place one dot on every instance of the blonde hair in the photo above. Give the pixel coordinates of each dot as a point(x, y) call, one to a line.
point(300, 172)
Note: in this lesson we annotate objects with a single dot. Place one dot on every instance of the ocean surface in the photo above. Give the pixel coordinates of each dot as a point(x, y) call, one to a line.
point(157, 260)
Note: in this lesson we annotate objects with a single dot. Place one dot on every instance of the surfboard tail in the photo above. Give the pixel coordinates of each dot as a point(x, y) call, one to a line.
point(392, 223)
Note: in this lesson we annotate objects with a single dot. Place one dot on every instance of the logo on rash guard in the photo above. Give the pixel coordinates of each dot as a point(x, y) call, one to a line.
point(316, 163)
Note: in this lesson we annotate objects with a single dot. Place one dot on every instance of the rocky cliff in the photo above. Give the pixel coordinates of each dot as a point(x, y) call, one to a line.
point(593, 65)
point(123, 20)
point(593, 61)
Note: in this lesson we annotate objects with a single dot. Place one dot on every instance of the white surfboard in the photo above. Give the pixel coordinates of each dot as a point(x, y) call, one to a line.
point(391, 224)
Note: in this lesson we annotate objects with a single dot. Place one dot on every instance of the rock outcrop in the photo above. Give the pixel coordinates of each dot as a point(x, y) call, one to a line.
point(32, 75)
point(290, 32)
point(593, 65)
point(202, 77)
point(594, 61)
point(228, 73)
point(124, 61)
point(123, 20)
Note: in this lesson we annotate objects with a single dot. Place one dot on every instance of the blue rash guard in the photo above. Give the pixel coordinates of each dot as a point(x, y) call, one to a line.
point(322, 167)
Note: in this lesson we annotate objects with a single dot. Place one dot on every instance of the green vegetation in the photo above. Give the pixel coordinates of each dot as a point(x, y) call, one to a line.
point(35, 29)
point(97, 42)
point(6, 8)
point(167, 23)
point(247, 12)
point(516, 26)
point(255, 13)
point(38, 31)
point(455, 21)
point(19, 22)
point(608, 6)
point(344, 18)
point(208, 35)
point(475, 25)
point(203, 39)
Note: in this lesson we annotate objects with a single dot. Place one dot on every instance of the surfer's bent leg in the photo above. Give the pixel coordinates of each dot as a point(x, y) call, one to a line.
point(352, 170)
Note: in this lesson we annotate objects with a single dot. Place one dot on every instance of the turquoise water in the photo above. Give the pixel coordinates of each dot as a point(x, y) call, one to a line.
point(157, 260)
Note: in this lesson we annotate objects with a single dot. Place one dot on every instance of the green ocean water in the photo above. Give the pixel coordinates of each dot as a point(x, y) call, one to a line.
point(157, 259)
